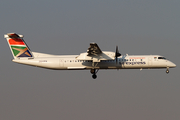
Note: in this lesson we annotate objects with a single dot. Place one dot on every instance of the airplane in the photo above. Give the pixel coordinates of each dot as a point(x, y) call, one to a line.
point(93, 60)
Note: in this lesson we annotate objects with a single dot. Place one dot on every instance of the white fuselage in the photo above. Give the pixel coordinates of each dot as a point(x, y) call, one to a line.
point(70, 62)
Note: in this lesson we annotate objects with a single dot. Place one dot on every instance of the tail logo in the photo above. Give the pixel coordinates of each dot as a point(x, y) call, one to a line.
point(21, 51)
point(18, 46)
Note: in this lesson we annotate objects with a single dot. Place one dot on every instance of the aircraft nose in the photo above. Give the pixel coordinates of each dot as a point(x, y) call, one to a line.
point(172, 64)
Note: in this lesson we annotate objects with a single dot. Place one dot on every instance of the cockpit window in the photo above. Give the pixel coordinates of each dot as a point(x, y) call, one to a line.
point(162, 58)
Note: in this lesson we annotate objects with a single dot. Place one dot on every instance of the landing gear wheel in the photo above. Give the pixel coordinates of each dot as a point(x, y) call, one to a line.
point(93, 72)
point(167, 70)
point(94, 76)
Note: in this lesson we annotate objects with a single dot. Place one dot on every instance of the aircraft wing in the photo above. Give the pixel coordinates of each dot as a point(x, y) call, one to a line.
point(94, 49)
point(95, 54)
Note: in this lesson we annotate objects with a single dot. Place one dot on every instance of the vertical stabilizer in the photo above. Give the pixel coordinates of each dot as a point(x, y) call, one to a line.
point(18, 46)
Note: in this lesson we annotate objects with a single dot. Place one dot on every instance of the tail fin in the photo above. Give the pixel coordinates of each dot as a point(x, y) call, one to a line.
point(18, 46)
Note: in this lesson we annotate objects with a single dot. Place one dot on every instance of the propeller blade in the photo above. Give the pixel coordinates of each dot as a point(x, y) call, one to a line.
point(117, 54)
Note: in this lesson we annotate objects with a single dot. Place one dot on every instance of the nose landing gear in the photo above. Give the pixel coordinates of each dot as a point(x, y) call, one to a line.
point(167, 71)
point(94, 71)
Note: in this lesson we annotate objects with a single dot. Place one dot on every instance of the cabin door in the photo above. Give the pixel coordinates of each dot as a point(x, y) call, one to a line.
point(61, 63)
point(150, 60)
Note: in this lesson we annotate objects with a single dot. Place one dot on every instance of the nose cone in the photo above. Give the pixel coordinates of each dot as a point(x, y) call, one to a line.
point(172, 65)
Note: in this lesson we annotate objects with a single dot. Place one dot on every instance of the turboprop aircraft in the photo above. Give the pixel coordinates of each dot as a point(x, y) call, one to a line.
point(93, 60)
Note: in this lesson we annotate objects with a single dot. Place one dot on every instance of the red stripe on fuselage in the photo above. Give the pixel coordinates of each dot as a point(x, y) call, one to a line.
point(16, 41)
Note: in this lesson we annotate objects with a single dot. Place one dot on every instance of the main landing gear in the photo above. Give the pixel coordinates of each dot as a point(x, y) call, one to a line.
point(94, 71)
point(167, 70)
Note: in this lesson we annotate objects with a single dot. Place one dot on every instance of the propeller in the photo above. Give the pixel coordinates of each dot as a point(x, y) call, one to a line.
point(117, 54)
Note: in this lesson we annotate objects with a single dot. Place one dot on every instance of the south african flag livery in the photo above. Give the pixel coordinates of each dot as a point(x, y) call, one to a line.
point(18, 46)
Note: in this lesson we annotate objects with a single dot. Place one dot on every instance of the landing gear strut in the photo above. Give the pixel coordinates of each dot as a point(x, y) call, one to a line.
point(167, 71)
point(94, 71)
